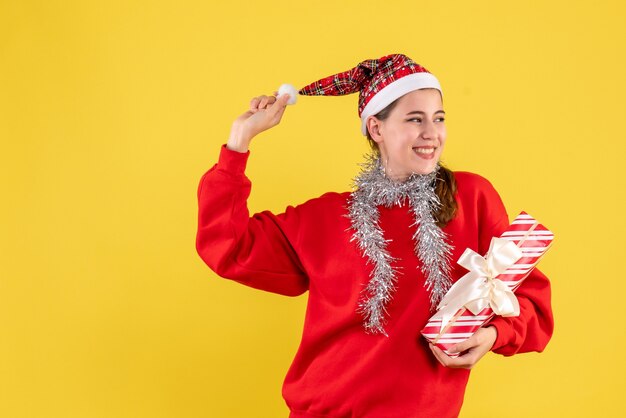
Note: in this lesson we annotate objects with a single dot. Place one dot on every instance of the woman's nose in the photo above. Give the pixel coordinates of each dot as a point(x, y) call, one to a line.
point(429, 131)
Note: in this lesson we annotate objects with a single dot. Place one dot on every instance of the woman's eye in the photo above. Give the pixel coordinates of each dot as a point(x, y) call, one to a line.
point(419, 120)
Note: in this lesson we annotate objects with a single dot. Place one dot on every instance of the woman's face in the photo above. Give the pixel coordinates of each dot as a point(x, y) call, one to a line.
point(411, 139)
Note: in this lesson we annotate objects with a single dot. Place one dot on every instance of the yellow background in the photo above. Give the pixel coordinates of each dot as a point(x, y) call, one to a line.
point(111, 111)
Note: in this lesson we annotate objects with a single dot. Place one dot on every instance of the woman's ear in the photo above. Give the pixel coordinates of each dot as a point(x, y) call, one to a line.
point(373, 127)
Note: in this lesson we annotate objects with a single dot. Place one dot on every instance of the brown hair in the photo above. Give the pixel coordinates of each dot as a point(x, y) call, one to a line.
point(446, 183)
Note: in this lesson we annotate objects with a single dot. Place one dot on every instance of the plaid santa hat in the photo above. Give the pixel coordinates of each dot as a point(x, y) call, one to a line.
point(378, 81)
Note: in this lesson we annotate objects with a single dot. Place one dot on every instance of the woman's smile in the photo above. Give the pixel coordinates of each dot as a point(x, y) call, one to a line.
point(427, 153)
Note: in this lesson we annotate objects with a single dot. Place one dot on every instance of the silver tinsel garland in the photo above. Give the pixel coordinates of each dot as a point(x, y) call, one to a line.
point(373, 189)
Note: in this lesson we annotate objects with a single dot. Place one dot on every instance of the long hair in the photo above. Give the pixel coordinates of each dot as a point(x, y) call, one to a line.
point(446, 183)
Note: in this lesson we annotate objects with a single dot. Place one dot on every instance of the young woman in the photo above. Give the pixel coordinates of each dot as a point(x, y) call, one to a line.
point(375, 261)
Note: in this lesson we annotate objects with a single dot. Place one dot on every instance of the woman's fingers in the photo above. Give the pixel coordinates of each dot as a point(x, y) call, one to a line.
point(275, 106)
point(261, 102)
point(278, 109)
point(466, 361)
point(472, 349)
point(270, 100)
point(279, 104)
point(465, 345)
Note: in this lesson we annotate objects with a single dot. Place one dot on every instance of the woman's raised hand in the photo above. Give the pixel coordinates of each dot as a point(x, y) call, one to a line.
point(265, 112)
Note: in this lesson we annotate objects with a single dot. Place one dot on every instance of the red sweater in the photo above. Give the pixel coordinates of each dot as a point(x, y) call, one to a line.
point(339, 370)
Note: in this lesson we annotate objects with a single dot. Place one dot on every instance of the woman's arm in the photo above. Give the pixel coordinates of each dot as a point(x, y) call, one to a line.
point(257, 251)
point(532, 329)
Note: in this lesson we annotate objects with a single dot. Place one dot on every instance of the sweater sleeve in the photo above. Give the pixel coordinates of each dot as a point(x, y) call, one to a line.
point(257, 251)
point(532, 329)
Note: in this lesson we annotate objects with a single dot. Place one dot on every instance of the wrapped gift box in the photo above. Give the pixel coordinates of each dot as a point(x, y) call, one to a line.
point(488, 288)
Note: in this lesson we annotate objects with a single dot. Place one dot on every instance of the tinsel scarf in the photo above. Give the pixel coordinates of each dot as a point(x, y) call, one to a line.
point(373, 189)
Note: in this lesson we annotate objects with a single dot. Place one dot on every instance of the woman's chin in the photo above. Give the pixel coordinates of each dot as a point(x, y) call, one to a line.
point(425, 169)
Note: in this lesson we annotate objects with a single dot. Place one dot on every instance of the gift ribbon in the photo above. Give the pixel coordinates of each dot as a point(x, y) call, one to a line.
point(479, 288)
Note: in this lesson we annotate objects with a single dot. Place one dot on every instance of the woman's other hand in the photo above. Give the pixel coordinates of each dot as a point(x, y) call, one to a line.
point(472, 349)
point(265, 112)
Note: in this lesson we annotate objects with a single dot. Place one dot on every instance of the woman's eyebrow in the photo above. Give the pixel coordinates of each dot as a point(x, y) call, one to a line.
point(422, 113)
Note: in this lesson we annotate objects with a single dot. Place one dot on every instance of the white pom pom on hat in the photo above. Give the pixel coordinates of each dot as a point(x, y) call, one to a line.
point(291, 91)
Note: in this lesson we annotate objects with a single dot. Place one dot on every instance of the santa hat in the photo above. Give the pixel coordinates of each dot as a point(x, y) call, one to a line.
point(378, 81)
